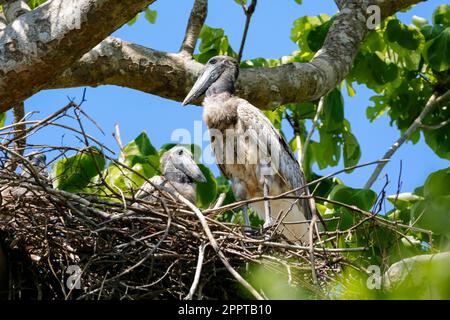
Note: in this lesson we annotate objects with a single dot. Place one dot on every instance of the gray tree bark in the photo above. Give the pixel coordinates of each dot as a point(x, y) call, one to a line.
point(39, 45)
point(40, 57)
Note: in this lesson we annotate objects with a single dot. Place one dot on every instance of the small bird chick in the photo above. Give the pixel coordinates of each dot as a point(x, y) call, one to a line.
point(179, 173)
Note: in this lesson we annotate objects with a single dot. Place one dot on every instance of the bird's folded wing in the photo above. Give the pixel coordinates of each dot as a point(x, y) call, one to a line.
point(288, 168)
point(147, 189)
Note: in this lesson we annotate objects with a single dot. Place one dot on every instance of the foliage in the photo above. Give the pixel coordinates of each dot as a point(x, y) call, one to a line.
point(213, 42)
point(2, 119)
point(403, 65)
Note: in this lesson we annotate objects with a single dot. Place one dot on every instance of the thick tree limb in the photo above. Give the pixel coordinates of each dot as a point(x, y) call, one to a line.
point(417, 123)
point(169, 75)
point(40, 44)
point(194, 26)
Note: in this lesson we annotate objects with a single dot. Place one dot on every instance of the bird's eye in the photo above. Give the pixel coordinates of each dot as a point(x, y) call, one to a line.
point(212, 61)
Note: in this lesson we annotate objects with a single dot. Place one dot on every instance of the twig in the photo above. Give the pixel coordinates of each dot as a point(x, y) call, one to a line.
point(248, 16)
point(117, 137)
point(20, 140)
point(436, 126)
point(194, 26)
point(216, 247)
point(198, 271)
point(417, 123)
point(287, 193)
point(311, 249)
point(313, 127)
point(220, 200)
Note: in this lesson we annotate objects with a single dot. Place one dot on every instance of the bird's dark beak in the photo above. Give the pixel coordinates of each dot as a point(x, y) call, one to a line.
point(190, 168)
point(209, 75)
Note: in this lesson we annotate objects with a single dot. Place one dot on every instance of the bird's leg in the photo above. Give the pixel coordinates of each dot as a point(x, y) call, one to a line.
point(267, 209)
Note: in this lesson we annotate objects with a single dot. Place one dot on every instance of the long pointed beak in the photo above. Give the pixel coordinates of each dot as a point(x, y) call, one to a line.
point(208, 77)
point(190, 168)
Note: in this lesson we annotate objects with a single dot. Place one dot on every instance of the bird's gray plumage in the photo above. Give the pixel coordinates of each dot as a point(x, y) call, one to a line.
point(38, 162)
point(179, 172)
point(234, 122)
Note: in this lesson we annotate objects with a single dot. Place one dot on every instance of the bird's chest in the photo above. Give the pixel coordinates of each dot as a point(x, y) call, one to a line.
point(219, 113)
point(237, 157)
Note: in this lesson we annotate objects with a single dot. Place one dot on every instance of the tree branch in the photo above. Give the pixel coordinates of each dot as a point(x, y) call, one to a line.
point(14, 9)
point(417, 123)
point(194, 26)
point(40, 44)
point(168, 75)
point(435, 126)
point(248, 17)
point(313, 127)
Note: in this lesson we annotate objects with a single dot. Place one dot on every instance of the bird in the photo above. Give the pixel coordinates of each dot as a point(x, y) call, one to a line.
point(38, 162)
point(179, 173)
point(250, 151)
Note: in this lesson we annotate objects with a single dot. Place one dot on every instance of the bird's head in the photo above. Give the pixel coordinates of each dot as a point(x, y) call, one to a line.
point(218, 75)
point(181, 159)
point(37, 159)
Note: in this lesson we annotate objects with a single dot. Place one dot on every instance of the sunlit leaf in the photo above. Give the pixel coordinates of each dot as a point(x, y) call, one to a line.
point(75, 173)
point(437, 51)
point(206, 192)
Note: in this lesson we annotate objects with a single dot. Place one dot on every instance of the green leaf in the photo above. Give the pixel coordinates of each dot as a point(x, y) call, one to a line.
point(393, 30)
point(382, 72)
point(437, 51)
point(2, 119)
point(304, 110)
point(352, 150)
point(408, 37)
point(35, 3)
point(328, 151)
point(437, 184)
point(350, 91)
point(275, 116)
point(442, 15)
point(433, 214)
point(120, 178)
point(362, 198)
point(139, 147)
point(213, 42)
point(419, 22)
point(316, 36)
point(206, 192)
point(74, 173)
point(430, 32)
point(150, 15)
point(301, 29)
point(133, 20)
point(404, 200)
point(333, 111)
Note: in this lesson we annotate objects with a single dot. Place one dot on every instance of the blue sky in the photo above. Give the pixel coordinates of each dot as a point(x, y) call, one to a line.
point(269, 37)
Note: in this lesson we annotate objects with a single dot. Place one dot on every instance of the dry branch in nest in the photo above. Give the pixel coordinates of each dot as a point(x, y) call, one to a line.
point(149, 251)
point(62, 245)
